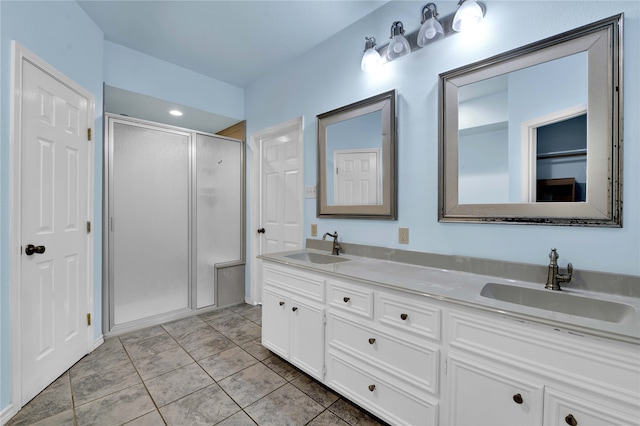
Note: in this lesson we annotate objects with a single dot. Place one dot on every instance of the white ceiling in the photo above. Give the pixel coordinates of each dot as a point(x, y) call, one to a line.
point(231, 41)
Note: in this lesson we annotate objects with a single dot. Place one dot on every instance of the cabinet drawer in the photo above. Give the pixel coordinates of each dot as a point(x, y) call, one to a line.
point(414, 364)
point(391, 403)
point(294, 281)
point(350, 298)
point(488, 394)
point(564, 409)
point(409, 315)
point(604, 364)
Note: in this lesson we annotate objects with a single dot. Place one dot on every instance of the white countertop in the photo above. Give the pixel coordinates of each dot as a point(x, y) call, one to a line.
point(464, 288)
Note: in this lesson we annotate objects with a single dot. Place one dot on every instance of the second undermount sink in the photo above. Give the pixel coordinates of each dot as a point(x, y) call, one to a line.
point(316, 258)
point(565, 303)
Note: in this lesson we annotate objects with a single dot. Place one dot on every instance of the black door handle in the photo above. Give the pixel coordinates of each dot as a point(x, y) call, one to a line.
point(261, 231)
point(31, 249)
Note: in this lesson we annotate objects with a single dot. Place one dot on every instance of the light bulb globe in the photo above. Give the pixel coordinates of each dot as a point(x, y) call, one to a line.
point(469, 15)
point(398, 47)
point(430, 31)
point(371, 60)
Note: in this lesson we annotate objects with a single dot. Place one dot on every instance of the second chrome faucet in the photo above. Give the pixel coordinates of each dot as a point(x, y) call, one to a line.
point(554, 279)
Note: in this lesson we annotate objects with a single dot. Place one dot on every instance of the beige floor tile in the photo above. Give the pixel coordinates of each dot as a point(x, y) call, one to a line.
point(177, 384)
point(207, 406)
point(117, 408)
point(286, 406)
point(227, 363)
point(251, 384)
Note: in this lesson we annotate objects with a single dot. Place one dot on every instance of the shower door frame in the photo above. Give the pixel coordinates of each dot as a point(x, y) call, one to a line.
point(108, 325)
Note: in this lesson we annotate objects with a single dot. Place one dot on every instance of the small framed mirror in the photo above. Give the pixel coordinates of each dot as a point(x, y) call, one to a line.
point(357, 160)
point(534, 135)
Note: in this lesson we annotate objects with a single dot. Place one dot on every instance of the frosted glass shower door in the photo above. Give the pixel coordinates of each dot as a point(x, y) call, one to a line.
point(219, 210)
point(149, 221)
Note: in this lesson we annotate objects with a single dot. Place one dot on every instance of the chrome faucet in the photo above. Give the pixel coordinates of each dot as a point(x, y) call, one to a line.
point(336, 245)
point(553, 277)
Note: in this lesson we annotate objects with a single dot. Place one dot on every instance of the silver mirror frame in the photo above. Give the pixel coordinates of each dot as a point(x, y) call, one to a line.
point(387, 210)
point(602, 41)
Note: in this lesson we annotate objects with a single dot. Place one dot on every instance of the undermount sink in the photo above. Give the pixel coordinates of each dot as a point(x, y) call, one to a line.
point(316, 258)
point(558, 301)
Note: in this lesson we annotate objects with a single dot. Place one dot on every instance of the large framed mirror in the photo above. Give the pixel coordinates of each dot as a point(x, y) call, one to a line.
point(357, 160)
point(534, 135)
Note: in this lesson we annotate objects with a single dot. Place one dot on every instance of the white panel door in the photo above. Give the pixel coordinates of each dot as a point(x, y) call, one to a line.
point(55, 188)
point(276, 208)
point(281, 193)
point(357, 181)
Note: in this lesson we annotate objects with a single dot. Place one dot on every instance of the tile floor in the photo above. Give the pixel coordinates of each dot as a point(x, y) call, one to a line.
point(208, 369)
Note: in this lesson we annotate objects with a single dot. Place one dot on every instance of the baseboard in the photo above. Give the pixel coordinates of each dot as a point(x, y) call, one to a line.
point(7, 414)
point(97, 342)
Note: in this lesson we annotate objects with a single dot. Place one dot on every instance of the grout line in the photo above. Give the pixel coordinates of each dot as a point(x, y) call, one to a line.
point(144, 385)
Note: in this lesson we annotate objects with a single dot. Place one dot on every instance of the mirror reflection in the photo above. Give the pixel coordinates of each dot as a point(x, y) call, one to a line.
point(520, 142)
point(356, 160)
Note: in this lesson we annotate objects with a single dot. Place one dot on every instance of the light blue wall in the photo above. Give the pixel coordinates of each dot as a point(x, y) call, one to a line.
point(329, 76)
point(134, 71)
point(61, 34)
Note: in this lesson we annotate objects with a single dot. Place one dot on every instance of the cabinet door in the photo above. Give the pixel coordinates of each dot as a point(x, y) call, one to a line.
point(486, 394)
point(307, 337)
point(562, 409)
point(275, 322)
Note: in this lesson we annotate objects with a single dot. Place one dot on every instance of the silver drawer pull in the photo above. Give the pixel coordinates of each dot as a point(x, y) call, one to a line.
point(372, 387)
point(346, 299)
point(281, 303)
point(404, 317)
point(372, 341)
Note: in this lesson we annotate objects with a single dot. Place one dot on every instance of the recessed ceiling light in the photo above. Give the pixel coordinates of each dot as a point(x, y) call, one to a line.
point(175, 112)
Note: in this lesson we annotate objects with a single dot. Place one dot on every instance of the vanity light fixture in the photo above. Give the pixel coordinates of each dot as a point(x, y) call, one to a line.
point(371, 59)
point(175, 112)
point(398, 46)
point(469, 15)
point(430, 30)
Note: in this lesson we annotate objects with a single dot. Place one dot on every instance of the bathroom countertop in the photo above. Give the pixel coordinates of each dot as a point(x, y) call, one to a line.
point(464, 288)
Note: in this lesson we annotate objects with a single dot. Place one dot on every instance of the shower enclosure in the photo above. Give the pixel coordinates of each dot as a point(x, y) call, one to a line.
point(174, 217)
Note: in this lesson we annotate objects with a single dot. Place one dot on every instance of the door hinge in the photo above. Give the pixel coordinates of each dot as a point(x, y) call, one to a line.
point(446, 366)
point(88, 319)
point(88, 227)
point(89, 134)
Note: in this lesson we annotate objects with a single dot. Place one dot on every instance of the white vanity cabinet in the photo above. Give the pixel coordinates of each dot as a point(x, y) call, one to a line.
point(293, 317)
point(501, 371)
point(415, 360)
point(383, 352)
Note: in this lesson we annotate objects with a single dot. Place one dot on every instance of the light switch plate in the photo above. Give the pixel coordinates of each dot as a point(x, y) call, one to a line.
point(310, 192)
point(403, 235)
point(314, 230)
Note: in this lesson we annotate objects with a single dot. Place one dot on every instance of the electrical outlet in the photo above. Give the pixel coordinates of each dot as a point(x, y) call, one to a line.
point(314, 230)
point(403, 235)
